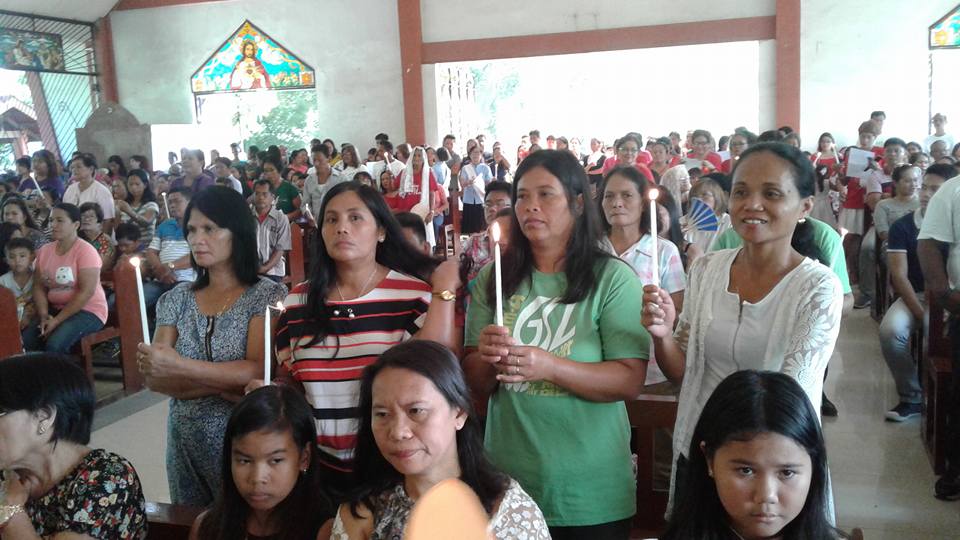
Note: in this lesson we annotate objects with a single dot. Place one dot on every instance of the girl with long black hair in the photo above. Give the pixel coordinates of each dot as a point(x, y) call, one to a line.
point(270, 488)
point(758, 465)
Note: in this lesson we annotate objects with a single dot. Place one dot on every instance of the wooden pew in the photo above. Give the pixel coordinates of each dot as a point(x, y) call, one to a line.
point(10, 341)
point(170, 521)
point(127, 327)
point(934, 371)
point(649, 414)
point(296, 264)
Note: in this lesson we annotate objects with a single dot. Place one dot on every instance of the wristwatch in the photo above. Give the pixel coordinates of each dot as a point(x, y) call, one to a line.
point(171, 266)
point(7, 511)
point(445, 295)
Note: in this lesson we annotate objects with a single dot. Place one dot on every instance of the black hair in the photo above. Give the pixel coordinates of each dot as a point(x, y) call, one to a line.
point(442, 154)
point(915, 157)
point(724, 139)
point(628, 137)
point(449, 137)
point(804, 179)
point(675, 232)
point(46, 156)
point(353, 151)
point(750, 136)
point(263, 182)
point(393, 253)
point(50, 383)
point(333, 152)
point(534, 133)
point(7, 230)
point(142, 160)
point(254, 150)
point(498, 185)
point(321, 148)
point(127, 231)
point(20, 243)
point(431, 360)
point(226, 162)
point(87, 159)
point(275, 409)
point(942, 170)
point(186, 192)
point(894, 141)
point(771, 135)
point(360, 175)
point(95, 207)
point(197, 154)
point(382, 137)
point(583, 250)
point(19, 203)
point(70, 209)
point(228, 210)
point(875, 114)
point(640, 182)
point(898, 174)
point(144, 178)
point(118, 161)
point(387, 145)
point(744, 405)
point(23, 161)
point(413, 222)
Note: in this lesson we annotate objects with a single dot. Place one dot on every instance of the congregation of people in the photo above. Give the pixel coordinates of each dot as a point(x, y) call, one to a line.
point(716, 271)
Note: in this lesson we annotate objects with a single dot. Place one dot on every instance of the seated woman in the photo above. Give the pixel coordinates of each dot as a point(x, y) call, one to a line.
point(91, 230)
point(570, 350)
point(61, 488)
point(628, 148)
point(270, 429)
point(66, 286)
point(138, 205)
point(758, 465)
point(14, 210)
point(368, 292)
point(416, 430)
point(768, 305)
point(209, 339)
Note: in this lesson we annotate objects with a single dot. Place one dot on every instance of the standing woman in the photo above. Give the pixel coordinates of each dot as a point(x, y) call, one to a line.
point(349, 164)
point(626, 221)
point(366, 293)
point(570, 352)
point(139, 206)
point(474, 177)
point(826, 163)
point(66, 286)
point(194, 177)
point(769, 305)
point(209, 340)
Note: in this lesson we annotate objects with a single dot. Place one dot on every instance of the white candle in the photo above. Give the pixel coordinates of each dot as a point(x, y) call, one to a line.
point(655, 257)
point(266, 346)
point(36, 185)
point(498, 271)
point(165, 206)
point(267, 334)
point(135, 261)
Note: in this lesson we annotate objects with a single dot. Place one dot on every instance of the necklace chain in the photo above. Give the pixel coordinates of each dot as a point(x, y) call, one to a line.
point(362, 289)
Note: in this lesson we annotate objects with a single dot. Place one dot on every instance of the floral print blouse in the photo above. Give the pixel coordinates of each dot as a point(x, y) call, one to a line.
point(101, 498)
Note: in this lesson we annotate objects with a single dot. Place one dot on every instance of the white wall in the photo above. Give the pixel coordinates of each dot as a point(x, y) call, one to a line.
point(352, 45)
point(857, 57)
point(448, 20)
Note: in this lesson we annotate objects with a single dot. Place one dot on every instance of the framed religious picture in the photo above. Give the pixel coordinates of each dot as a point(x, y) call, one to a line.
point(251, 60)
point(31, 51)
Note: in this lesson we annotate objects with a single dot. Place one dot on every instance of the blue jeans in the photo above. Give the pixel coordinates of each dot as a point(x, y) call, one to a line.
point(895, 330)
point(66, 335)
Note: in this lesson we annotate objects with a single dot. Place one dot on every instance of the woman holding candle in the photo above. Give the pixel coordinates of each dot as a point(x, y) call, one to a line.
point(777, 308)
point(209, 339)
point(367, 292)
point(625, 207)
point(567, 356)
point(138, 205)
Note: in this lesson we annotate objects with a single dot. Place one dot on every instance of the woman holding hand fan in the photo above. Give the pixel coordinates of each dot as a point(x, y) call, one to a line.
point(706, 220)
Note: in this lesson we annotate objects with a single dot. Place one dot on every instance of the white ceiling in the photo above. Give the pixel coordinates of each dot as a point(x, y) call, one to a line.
point(81, 10)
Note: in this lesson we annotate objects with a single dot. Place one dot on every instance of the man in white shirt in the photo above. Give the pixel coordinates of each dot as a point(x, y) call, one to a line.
point(939, 122)
point(941, 229)
point(221, 169)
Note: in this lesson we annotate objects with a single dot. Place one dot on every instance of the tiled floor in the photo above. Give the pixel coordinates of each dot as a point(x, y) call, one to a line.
point(883, 482)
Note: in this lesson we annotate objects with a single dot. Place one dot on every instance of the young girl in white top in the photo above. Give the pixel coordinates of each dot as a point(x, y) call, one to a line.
point(768, 305)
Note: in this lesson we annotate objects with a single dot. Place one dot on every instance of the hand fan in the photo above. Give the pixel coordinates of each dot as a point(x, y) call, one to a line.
point(700, 217)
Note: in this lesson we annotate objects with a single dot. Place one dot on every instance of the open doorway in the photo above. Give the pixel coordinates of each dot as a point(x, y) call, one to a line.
point(606, 94)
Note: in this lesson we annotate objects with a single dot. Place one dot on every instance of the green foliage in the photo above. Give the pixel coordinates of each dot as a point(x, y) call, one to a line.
point(7, 161)
point(490, 88)
point(290, 123)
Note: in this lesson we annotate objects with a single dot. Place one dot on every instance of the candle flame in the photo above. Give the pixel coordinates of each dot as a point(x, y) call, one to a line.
point(495, 232)
point(135, 261)
point(653, 194)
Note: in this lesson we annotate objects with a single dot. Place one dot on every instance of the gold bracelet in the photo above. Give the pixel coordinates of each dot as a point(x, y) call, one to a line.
point(7, 511)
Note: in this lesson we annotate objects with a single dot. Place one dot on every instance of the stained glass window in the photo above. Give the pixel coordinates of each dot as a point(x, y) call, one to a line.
point(945, 33)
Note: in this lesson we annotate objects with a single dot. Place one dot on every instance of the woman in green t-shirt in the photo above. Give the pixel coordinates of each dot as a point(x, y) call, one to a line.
point(569, 352)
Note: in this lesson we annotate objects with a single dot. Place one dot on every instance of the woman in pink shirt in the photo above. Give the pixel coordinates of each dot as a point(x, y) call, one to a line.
point(69, 299)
